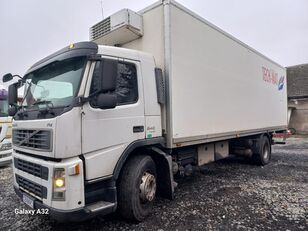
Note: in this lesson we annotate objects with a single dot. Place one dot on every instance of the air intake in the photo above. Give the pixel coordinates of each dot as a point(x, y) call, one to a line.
point(120, 28)
point(32, 139)
point(100, 29)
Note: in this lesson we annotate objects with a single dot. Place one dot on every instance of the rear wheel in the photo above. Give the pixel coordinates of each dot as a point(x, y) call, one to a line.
point(262, 151)
point(137, 188)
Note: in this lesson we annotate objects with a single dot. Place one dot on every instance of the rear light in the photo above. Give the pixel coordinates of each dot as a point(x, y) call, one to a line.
point(285, 134)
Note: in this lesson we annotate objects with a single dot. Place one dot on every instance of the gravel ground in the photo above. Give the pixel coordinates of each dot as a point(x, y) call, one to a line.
point(228, 195)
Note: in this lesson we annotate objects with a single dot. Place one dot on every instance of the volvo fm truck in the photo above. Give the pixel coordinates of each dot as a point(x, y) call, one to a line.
point(105, 125)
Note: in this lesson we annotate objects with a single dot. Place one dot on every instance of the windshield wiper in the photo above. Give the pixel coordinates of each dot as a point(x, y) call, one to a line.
point(43, 102)
point(46, 102)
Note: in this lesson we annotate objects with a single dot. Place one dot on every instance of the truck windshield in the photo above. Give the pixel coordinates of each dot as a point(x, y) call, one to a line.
point(55, 84)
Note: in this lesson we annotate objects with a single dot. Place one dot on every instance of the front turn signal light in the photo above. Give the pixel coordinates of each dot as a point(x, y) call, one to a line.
point(74, 170)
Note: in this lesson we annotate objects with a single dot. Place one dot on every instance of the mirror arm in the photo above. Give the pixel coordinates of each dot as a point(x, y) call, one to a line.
point(80, 100)
point(17, 76)
point(21, 81)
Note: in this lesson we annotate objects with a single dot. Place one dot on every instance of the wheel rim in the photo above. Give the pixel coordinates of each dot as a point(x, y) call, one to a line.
point(147, 187)
point(266, 152)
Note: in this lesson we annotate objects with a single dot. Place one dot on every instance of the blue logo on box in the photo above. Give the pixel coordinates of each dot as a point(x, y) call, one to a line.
point(281, 83)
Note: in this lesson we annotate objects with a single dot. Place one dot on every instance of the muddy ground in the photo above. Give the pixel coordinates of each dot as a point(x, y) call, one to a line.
point(228, 195)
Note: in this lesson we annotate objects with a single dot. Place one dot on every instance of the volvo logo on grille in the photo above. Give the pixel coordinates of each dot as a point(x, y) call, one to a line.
point(27, 137)
point(32, 139)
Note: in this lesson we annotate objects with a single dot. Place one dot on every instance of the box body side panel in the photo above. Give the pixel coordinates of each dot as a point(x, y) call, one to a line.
point(220, 86)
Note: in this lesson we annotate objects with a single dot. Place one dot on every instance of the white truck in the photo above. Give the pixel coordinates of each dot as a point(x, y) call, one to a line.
point(106, 125)
point(5, 130)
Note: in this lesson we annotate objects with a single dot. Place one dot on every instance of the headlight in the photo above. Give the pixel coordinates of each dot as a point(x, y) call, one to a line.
point(6, 146)
point(59, 184)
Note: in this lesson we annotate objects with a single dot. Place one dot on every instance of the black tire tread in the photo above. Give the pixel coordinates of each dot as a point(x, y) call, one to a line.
point(258, 151)
point(126, 205)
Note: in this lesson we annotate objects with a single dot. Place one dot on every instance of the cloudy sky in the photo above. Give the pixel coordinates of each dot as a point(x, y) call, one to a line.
point(32, 29)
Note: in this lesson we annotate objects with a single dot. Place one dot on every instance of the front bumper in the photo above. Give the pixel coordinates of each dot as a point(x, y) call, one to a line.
point(75, 215)
point(35, 176)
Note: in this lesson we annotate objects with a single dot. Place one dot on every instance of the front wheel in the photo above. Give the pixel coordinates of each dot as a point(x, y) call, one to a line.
point(262, 152)
point(137, 188)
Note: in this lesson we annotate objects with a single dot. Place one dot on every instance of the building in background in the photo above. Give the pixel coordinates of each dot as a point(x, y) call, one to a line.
point(297, 79)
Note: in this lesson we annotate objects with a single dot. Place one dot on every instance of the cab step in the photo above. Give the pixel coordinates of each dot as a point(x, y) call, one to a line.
point(100, 206)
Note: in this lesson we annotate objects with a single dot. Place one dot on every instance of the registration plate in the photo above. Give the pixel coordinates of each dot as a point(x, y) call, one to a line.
point(27, 200)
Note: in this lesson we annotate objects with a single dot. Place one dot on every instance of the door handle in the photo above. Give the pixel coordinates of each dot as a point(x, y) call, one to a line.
point(137, 129)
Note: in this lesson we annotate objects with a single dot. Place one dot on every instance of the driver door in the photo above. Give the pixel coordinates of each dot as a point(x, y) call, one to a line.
point(107, 132)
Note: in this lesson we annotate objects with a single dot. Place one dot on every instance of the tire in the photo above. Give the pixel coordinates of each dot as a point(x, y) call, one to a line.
point(135, 202)
point(262, 152)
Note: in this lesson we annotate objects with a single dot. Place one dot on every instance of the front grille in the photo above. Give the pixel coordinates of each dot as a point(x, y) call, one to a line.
point(100, 29)
point(31, 187)
point(31, 168)
point(33, 139)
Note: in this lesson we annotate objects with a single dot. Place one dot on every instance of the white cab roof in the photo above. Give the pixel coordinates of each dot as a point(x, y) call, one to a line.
point(123, 53)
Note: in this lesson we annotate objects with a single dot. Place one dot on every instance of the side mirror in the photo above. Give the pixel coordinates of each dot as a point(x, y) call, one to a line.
point(109, 73)
point(12, 95)
point(106, 100)
point(7, 77)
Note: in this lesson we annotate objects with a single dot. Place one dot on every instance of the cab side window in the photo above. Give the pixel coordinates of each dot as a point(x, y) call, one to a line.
point(126, 83)
point(127, 87)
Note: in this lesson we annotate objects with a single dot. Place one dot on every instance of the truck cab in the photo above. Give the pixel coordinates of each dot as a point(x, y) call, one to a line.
point(83, 112)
